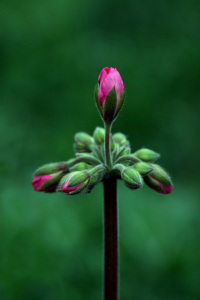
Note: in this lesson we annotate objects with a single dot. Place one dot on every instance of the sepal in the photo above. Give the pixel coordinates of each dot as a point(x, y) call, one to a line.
point(109, 106)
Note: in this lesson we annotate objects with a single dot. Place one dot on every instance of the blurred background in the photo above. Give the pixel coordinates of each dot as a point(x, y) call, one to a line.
point(51, 54)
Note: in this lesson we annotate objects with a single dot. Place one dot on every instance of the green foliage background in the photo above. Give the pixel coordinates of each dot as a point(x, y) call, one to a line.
point(51, 55)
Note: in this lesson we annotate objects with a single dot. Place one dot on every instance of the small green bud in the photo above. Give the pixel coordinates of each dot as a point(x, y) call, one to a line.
point(147, 155)
point(143, 168)
point(83, 142)
point(132, 178)
point(80, 167)
point(51, 168)
point(99, 135)
point(120, 139)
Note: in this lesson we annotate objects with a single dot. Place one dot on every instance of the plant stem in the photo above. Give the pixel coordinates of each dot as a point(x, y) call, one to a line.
point(110, 240)
point(107, 145)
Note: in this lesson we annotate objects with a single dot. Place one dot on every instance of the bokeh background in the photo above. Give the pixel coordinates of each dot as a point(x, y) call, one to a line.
point(51, 54)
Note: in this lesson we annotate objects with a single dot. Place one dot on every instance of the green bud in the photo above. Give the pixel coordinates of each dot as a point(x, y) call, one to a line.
point(120, 139)
point(132, 178)
point(83, 142)
point(143, 168)
point(99, 135)
point(51, 168)
point(147, 155)
point(80, 167)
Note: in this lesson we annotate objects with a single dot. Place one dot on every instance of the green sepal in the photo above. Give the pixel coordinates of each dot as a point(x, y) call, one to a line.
point(160, 175)
point(109, 106)
point(143, 168)
point(80, 189)
point(96, 91)
point(118, 169)
point(153, 184)
point(51, 168)
point(121, 102)
point(77, 177)
point(52, 181)
point(147, 155)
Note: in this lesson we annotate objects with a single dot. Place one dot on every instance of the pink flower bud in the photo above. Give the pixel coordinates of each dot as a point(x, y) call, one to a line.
point(108, 79)
point(38, 181)
point(75, 182)
point(159, 180)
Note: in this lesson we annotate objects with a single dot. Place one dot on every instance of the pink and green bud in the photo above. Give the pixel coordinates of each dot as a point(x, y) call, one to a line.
point(83, 142)
point(159, 180)
point(143, 168)
point(110, 94)
point(46, 183)
point(51, 168)
point(74, 183)
point(99, 135)
point(132, 178)
point(147, 155)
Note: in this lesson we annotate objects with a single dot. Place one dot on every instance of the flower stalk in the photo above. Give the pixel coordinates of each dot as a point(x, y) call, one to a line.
point(110, 240)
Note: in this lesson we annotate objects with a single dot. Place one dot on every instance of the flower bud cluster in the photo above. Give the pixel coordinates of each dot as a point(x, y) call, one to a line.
point(90, 165)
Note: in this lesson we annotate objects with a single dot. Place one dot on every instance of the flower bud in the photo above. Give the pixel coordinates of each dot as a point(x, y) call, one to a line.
point(142, 168)
point(83, 142)
point(46, 183)
point(147, 155)
point(109, 94)
point(51, 168)
point(132, 178)
point(99, 135)
point(74, 183)
point(120, 139)
point(159, 180)
point(80, 167)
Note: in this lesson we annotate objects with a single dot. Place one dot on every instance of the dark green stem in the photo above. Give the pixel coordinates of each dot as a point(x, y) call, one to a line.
point(107, 145)
point(110, 240)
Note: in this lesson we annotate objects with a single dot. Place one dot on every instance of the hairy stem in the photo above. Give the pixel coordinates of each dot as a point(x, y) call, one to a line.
point(107, 145)
point(110, 240)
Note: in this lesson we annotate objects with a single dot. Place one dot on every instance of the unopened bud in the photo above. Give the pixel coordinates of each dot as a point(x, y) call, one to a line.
point(143, 168)
point(46, 183)
point(80, 167)
point(74, 183)
point(109, 94)
point(51, 168)
point(147, 155)
point(120, 139)
point(159, 180)
point(83, 142)
point(132, 178)
point(99, 135)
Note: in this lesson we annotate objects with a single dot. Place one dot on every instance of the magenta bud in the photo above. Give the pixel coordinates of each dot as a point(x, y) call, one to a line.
point(109, 94)
point(39, 181)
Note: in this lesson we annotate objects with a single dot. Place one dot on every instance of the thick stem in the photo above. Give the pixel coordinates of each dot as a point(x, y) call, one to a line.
point(110, 240)
point(107, 145)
